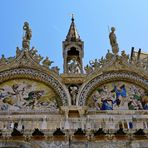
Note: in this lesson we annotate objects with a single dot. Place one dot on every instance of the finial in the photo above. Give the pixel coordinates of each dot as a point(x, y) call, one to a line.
point(72, 33)
point(72, 19)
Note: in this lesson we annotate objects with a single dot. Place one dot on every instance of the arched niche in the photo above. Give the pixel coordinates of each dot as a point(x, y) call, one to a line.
point(31, 89)
point(28, 94)
point(115, 89)
point(73, 52)
point(118, 95)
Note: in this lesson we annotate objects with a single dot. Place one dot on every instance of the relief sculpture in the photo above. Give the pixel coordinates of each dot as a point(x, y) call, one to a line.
point(26, 94)
point(119, 96)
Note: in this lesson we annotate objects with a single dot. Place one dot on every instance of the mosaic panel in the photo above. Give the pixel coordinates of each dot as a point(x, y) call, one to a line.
point(27, 94)
point(118, 96)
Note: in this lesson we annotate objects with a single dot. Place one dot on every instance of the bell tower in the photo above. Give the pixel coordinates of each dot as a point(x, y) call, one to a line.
point(73, 51)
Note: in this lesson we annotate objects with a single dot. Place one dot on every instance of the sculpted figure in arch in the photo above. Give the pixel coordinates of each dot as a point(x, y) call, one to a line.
point(119, 96)
point(74, 66)
point(73, 93)
point(27, 94)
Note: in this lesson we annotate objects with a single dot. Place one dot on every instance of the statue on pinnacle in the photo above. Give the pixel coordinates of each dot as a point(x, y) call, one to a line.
point(27, 36)
point(113, 41)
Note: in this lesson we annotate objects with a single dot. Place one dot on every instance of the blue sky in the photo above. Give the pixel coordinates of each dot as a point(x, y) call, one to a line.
point(50, 21)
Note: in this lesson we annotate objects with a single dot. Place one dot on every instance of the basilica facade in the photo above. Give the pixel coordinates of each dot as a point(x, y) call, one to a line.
point(103, 104)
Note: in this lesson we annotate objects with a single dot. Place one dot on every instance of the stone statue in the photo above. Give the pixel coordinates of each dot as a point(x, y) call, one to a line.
point(28, 32)
point(109, 55)
point(27, 36)
point(113, 41)
point(18, 52)
point(33, 51)
point(46, 63)
point(95, 64)
point(102, 61)
point(3, 59)
point(38, 58)
point(124, 55)
point(73, 93)
point(88, 69)
point(55, 69)
point(74, 66)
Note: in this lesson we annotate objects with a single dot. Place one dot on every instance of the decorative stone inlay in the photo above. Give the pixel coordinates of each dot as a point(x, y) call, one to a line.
point(36, 75)
point(73, 78)
point(108, 77)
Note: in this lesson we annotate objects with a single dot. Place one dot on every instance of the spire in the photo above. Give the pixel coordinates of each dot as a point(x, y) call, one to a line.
point(72, 33)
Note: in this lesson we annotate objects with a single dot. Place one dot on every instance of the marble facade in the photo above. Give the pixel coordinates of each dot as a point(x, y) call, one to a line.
point(110, 94)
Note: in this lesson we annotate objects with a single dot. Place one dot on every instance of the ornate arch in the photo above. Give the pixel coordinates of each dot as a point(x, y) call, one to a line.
point(77, 48)
point(34, 74)
point(91, 84)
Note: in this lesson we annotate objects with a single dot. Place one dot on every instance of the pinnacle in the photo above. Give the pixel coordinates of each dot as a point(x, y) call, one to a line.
point(72, 33)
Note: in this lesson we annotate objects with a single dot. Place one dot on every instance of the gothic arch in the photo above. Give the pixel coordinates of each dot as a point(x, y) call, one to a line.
point(100, 79)
point(68, 48)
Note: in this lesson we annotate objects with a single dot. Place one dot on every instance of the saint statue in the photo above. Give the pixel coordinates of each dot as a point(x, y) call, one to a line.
point(113, 41)
point(73, 93)
point(28, 32)
point(3, 59)
point(27, 36)
point(74, 66)
point(124, 55)
point(47, 62)
point(109, 56)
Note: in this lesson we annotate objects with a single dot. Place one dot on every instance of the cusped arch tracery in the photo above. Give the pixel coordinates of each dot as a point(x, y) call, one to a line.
point(40, 83)
point(112, 77)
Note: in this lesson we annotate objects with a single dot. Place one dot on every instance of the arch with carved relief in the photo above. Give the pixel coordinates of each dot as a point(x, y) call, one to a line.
point(40, 79)
point(110, 78)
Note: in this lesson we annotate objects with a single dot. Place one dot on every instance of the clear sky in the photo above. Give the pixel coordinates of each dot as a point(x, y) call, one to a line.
point(50, 21)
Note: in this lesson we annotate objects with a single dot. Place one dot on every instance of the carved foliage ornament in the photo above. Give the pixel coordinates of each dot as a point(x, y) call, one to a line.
point(116, 62)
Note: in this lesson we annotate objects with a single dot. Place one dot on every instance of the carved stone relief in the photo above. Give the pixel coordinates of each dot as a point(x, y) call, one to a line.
point(37, 75)
point(109, 77)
